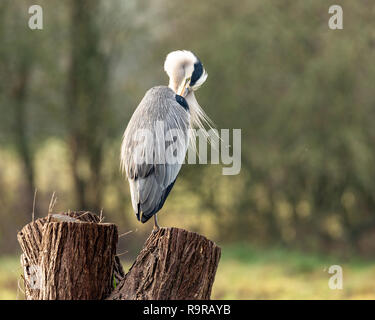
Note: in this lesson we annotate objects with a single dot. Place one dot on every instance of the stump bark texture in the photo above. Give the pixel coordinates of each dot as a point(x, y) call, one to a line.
point(174, 264)
point(73, 256)
point(68, 256)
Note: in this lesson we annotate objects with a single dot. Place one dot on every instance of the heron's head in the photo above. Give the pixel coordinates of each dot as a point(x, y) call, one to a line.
point(185, 71)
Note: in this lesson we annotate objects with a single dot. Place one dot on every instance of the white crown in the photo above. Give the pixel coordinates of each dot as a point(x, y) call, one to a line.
point(176, 58)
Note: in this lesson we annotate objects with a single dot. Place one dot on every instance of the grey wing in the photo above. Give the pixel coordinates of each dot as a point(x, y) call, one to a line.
point(157, 133)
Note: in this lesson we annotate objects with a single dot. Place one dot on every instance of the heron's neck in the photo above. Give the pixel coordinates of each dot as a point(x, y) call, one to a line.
point(176, 80)
point(174, 85)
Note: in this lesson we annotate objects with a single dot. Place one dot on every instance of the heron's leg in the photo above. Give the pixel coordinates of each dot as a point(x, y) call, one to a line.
point(156, 225)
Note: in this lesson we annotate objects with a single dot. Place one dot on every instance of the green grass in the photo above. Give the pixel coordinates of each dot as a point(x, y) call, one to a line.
point(10, 274)
point(248, 273)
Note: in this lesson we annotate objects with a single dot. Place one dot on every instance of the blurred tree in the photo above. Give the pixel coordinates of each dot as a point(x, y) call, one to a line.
point(18, 55)
point(87, 102)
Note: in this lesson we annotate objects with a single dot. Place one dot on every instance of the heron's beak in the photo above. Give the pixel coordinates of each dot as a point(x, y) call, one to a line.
point(186, 83)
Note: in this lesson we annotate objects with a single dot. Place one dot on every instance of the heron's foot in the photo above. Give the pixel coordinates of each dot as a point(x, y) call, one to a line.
point(156, 225)
point(155, 229)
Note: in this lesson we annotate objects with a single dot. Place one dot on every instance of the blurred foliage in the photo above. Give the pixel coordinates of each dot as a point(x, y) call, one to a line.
point(301, 93)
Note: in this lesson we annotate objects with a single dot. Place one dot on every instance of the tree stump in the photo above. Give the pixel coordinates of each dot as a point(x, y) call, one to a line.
point(174, 264)
point(68, 256)
point(73, 256)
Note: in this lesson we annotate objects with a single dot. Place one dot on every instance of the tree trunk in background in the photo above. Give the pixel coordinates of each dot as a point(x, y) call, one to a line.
point(86, 102)
point(21, 136)
point(73, 256)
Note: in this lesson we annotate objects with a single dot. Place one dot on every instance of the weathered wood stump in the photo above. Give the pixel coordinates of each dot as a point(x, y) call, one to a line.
point(173, 264)
point(68, 256)
point(73, 256)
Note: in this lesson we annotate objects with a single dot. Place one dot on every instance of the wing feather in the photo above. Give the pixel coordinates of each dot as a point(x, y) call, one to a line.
point(150, 183)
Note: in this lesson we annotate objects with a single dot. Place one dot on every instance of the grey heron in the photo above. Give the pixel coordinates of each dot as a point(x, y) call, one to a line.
point(176, 107)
